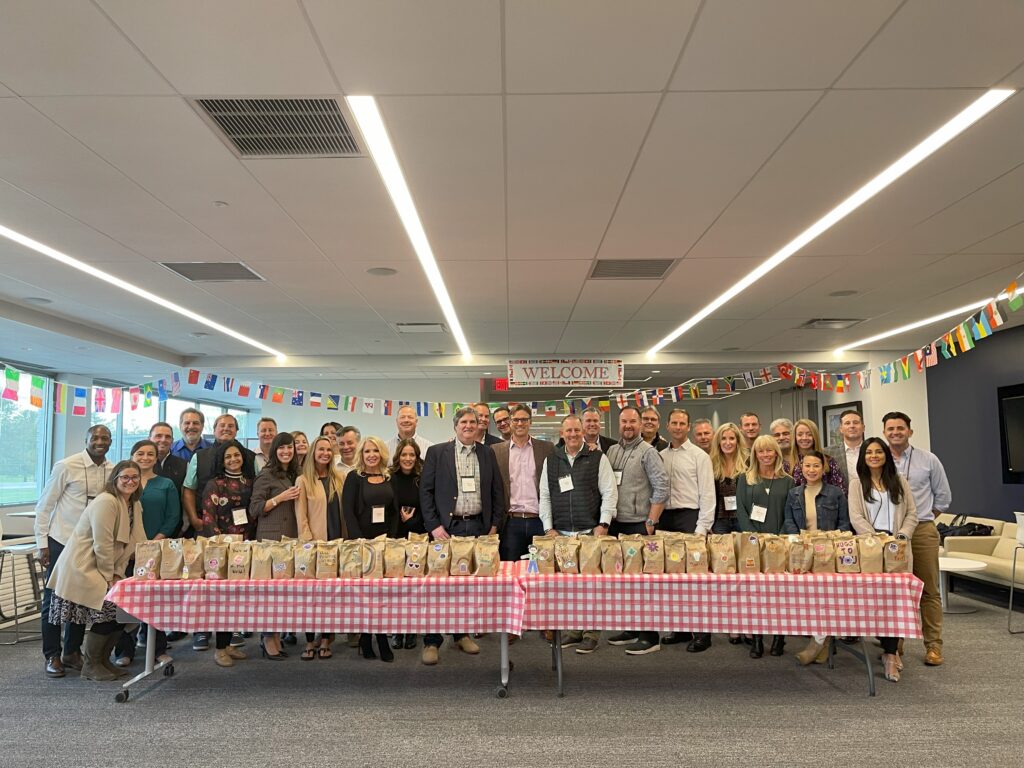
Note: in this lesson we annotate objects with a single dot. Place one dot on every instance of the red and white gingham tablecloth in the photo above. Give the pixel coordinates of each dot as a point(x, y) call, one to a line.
point(330, 605)
point(886, 605)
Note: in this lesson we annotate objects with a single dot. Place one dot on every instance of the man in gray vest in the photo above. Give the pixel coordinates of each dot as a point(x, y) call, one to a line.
point(643, 489)
point(577, 497)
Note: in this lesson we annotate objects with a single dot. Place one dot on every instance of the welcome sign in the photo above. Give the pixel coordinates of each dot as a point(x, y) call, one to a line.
point(565, 373)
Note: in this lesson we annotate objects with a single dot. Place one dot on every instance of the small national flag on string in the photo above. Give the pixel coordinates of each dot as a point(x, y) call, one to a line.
point(641, 399)
point(730, 383)
point(944, 347)
point(439, 410)
point(175, 384)
point(678, 393)
point(332, 402)
point(931, 357)
point(826, 382)
point(712, 387)
point(388, 407)
point(983, 325)
point(60, 398)
point(550, 409)
point(244, 388)
point(211, 381)
point(315, 399)
point(815, 381)
point(115, 400)
point(657, 396)
point(766, 375)
point(840, 385)
point(885, 373)
point(786, 370)
point(133, 397)
point(147, 395)
point(349, 403)
point(799, 376)
point(976, 329)
point(80, 405)
point(964, 337)
point(369, 406)
point(263, 391)
point(298, 396)
point(277, 396)
point(905, 367)
point(919, 359)
point(694, 391)
point(11, 380)
point(748, 379)
point(161, 389)
point(193, 376)
point(229, 383)
point(35, 396)
point(99, 400)
point(1013, 297)
point(864, 378)
point(604, 406)
point(621, 401)
point(422, 409)
point(995, 319)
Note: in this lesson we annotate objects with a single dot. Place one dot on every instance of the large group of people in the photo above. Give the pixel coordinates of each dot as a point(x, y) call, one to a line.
point(344, 485)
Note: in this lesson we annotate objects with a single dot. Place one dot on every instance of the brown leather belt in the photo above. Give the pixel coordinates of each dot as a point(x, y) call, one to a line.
point(523, 515)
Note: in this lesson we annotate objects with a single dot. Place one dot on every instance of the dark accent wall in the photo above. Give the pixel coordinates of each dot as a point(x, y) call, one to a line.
point(963, 416)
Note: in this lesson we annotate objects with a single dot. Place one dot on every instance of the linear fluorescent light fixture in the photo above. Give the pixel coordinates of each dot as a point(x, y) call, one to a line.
point(958, 312)
point(141, 293)
point(371, 124)
point(961, 122)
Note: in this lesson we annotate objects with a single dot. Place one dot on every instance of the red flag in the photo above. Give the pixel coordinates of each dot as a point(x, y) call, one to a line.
point(786, 370)
point(919, 359)
point(243, 389)
point(931, 357)
point(193, 376)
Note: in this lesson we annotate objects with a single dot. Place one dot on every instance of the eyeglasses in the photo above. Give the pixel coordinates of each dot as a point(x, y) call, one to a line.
point(129, 478)
point(502, 421)
point(520, 420)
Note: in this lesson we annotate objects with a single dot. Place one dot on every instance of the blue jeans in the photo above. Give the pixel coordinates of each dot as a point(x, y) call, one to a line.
point(73, 633)
point(518, 535)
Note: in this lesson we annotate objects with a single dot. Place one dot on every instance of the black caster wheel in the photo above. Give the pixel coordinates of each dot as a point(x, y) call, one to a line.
point(169, 670)
point(511, 665)
point(502, 692)
point(121, 697)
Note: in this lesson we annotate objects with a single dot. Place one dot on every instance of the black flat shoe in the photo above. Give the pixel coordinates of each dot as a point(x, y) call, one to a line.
point(699, 643)
point(674, 638)
point(736, 640)
point(384, 648)
point(757, 647)
point(366, 647)
point(289, 638)
point(778, 644)
point(410, 642)
point(397, 641)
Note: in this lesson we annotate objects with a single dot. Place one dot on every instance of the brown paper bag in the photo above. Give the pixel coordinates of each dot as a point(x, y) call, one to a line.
point(567, 554)
point(147, 560)
point(261, 563)
point(824, 554)
point(869, 548)
point(847, 555)
point(373, 557)
point(216, 559)
point(439, 560)
point(722, 553)
point(801, 555)
point(350, 559)
point(171, 559)
point(611, 555)
point(326, 560)
point(896, 555)
point(226, 538)
point(305, 560)
point(654, 554)
point(416, 557)
point(192, 552)
point(774, 555)
point(632, 553)
point(282, 564)
point(748, 555)
point(488, 560)
point(462, 555)
point(394, 558)
point(239, 559)
point(590, 554)
point(545, 553)
point(697, 558)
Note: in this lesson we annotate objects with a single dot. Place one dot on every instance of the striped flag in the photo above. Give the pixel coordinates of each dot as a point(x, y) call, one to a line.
point(314, 399)
point(1014, 299)
point(712, 386)
point(60, 397)
point(694, 391)
point(297, 396)
point(864, 378)
point(389, 407)
point(332, 402)
point(840, 385)
point(439, 410)
point(12, 378)
point(675, 394)
point(748, 379)
point(115, 400)
point(262, 391)
point(349, 403)
point(244, 389)
point(79, 406)
point(550, 409)
point(422, 409)
point(99, 400)
point(175, 383)
point(193, 376)
point(994, 318)
point(35, 396)
point(228, 383)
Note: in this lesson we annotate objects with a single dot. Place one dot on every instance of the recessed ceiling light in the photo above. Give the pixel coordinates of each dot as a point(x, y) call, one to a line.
point(381, 271)
point(364, 108)
point(133, 289)
point(730, 349)
point(199, 335)
point(950, 130)
point(221, 204)
point(840, 294)
point(147, 375)
point(654, 371)
point(487, 373)
point(40, 300)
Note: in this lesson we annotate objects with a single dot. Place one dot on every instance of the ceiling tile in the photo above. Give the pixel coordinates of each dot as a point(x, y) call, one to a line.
point(1010, 240)
point(691, 285)
point(545, 290)
point(612, 299)
point(478, 289)
point(588, 338)
point(532, 337)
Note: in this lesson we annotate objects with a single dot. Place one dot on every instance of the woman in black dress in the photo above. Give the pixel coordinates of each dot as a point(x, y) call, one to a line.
point(368, 506)
point(405, 482)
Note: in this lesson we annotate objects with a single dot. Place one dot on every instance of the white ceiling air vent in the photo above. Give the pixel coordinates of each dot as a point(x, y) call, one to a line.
point(420, 328)
point(212, 271)
point(631, 269)
point(829, 324)
point(283, 127)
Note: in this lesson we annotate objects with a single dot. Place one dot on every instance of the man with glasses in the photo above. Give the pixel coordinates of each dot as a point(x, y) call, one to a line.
point(74, 482)
point(520, 461)
point(650, 421)
point(503, 421)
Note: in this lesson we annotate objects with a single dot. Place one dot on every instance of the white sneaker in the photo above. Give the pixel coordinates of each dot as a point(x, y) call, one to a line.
point(122, 661)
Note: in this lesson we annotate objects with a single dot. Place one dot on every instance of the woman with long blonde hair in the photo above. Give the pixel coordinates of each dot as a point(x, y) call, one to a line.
point(729, 459)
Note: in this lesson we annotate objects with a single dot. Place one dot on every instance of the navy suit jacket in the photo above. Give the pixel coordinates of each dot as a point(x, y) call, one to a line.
point(439, 487)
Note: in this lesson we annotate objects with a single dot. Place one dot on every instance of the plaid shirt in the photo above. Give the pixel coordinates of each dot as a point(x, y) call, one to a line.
point(467, 465)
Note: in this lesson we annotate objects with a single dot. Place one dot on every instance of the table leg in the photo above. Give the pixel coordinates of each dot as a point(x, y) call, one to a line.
point(150, 667)
point(863, 655)
point(502, 691)
point(556, 652)
point(944, 597)
point(1013, 585)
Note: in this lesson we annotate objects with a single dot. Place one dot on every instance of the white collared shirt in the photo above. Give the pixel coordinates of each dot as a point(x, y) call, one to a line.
point(691, 482)
point(422, 442)
point(852, 454)
point(74, 482)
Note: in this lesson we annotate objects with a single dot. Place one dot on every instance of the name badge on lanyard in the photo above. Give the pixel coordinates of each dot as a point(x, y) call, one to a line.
point(565, 483)
point(240, 516)
point(378, 515)
point(469, 484)
point(730, 503)
point(758, 513)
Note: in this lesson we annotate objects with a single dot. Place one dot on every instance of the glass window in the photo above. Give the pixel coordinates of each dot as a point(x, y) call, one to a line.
point(211, 412)
point(24, 470)
point(172, 413)
point(135, 425)
point(243, 421)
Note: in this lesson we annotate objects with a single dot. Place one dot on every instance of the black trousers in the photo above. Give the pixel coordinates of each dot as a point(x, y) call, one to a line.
point(627, 528)
point(678, 520)
point(73, 633)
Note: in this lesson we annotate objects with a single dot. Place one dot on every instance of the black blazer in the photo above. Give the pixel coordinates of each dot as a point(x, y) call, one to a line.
point(439, 487)
point(490, 439)
point(174, 469)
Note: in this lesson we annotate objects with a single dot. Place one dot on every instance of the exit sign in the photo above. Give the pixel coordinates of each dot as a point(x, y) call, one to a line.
point(501, 385)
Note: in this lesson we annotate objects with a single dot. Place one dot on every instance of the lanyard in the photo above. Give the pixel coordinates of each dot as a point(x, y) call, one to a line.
point(874, 517)
point(622, 467)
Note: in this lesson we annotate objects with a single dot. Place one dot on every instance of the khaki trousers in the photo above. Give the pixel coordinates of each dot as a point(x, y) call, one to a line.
point(925, 548)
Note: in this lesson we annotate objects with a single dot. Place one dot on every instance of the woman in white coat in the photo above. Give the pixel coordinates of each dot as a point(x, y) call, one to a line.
point(95, 557)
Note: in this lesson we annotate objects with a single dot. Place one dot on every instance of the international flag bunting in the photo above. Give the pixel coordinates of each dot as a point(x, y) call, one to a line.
point(193, 376)
point(621, 401)
point(963, 337)
point(133, 397)
point(244, 388)
point(99, 400)
point(931, 356)
point(439, 410)
point(905, 367)
point(712, 387)
point(748, 379)
point(315, 399)
point(815, 381)
point(826, 382)
point(60, 398)
point(840, 385)
point(730, 383)
point(786, 371)
point(766, 376)
point(567, 407)
point(1014, 298)
point(35, 396)
point(919, 359)
point(694, 391)
point(297, 396)
point(369, 406)
point(211, 381)
point(641, 399)
point(885, 372)
point(11, 380)
point(944, 347)
point(228, 383)
point(277, 396)
point(994, 318)
point(161, 390)
point(79, 405)
point(678, 393)
point(976, 330)
point(115, 400)
point(349, 404)
point(550, 409)
point(950, 343)
point(799, 376)
point(147, 395)
point(332, 402)
point(422, 409)
point(262, 391)
point(657, 396)
point(984, 326)
point(175, 384)
point(388, 408)
point(604, 405)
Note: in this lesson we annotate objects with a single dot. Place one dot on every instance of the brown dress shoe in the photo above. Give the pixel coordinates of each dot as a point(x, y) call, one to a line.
point(933, 657)
point(72, 660)
point(54, 667)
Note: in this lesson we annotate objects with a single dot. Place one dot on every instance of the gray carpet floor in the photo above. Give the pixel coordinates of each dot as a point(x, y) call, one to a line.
point(719, 708)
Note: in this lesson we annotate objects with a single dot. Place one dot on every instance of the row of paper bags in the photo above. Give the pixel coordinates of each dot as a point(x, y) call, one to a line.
point(228, 557)
point(668, 552)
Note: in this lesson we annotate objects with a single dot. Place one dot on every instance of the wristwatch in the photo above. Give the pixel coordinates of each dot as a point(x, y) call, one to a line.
point(652, 523)
point(601, 525)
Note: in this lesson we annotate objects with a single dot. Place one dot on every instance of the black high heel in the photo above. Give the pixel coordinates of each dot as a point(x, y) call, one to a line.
point(778, 644)
point(757, 647)
point(272, 656)
point(397, 641)
point(385, 649)
point(410, 642)
point(366, 646)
